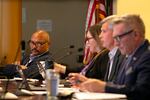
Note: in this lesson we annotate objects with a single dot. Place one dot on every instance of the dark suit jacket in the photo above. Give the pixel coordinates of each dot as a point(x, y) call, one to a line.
point(137, 77)
point(115, 67)
point(32, 70)
point(8, 71)
point(98, 68)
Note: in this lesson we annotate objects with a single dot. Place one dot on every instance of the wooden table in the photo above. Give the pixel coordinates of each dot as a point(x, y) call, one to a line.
point(12, 87)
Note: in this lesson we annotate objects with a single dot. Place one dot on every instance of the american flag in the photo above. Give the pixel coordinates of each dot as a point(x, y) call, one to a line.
point(96, 12)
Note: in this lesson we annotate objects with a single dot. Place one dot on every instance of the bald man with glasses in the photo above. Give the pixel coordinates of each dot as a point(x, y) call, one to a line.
point(39, 52)
point(34, 64)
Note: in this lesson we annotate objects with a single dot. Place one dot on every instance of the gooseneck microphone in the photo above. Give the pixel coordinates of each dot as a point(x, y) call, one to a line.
point(62, 57)
point(80, 49)
point(68, 53)
point(64, 48)
point(22, 47)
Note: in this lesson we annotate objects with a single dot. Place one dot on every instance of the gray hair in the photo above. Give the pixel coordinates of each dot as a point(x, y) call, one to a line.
point(109, 21)
point(131, 21)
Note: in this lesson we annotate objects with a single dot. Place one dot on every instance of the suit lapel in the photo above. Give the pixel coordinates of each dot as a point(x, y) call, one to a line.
point(114, 66)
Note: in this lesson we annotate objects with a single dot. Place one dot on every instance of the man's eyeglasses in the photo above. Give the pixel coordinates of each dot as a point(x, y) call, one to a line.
point(118, 37)
point(37, 43)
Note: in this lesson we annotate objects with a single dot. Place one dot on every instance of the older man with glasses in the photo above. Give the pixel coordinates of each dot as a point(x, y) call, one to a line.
point(118, 37)
point(34, 64)
point(39, 47)
point(134, 75)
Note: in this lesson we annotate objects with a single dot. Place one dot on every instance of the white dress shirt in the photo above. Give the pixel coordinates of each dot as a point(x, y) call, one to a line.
point(111, 55)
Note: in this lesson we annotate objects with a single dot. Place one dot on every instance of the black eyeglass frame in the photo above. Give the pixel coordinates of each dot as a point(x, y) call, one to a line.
point(118, 37)
point(38, 43)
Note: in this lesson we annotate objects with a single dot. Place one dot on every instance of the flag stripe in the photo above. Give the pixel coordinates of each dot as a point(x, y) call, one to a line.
point(95, 13)
point(91, 10)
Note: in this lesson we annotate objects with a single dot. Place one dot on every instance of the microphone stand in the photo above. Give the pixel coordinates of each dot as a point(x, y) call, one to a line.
point(24, 83)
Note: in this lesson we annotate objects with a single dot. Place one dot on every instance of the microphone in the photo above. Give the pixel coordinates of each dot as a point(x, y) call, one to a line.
point(80, 49)
point(65, 48)
point(66, 55)
point(80, 56)
point(22, 47)
point(61, 67)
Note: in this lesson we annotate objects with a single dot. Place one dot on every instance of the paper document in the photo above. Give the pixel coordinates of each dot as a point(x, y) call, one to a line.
point(67, 91)
point(97, 96)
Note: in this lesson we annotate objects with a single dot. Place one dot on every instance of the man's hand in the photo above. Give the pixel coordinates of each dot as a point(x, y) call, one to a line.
point(59, 68)
point(93, 85)
point(22, 67)
point(76, 78)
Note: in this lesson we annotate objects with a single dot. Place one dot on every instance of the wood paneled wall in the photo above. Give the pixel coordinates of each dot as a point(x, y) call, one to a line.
point(10, 30)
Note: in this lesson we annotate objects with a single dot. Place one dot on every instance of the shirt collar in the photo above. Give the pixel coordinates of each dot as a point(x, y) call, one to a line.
point(112, 52)
point(32, 57)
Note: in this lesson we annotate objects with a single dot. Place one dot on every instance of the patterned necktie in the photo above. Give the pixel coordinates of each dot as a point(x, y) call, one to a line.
point(122, 72)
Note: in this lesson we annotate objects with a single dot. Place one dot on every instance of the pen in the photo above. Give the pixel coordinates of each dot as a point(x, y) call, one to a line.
point(67, 78)
point(78, 82)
